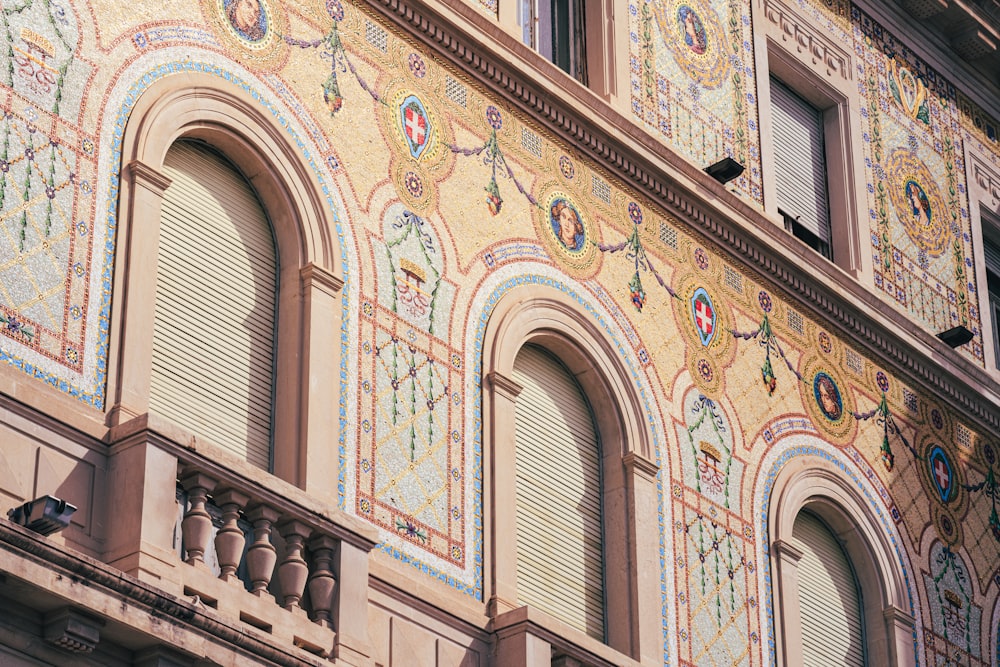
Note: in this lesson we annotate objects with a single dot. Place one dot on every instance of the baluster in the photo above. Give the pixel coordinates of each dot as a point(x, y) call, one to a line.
point(293, 571)
point(196, 527)
point(261, 556)
point(229, 541)
point(322, 581)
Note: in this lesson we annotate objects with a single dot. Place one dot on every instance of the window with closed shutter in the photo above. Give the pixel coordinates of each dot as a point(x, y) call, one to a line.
point(829, 598)
point(560, 559)
point(214, 318)
point(991, 251)
point(800, 167)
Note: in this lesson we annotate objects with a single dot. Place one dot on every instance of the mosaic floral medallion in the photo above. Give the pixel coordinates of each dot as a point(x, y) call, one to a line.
point(825, 343)
point(566, 167)
point(417, 66)
point(918, 203)
point(948, 528)
point(696, 34)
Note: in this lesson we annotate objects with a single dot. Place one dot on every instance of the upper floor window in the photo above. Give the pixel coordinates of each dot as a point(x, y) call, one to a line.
point(215, 309)
point(800, 168)
point(991, 253)
point(555, 28)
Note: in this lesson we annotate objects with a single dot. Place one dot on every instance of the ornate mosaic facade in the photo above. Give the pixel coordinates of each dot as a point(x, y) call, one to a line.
point(448, 198)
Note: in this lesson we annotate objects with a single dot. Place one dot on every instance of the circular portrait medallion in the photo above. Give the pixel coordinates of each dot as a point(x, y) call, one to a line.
point(827, 396)
point(566, 225)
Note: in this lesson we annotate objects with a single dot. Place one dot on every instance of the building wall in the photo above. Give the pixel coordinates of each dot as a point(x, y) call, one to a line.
point(437, 195)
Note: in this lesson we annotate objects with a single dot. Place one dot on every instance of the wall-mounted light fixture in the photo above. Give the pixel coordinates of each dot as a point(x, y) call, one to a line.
point(725, 170)
point(956, 336)
point(45, 515)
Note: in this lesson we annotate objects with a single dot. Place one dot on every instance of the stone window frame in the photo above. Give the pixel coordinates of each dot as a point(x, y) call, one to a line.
point(633, 606)
point(820, 72)
point(813, 484)
point(196, 106)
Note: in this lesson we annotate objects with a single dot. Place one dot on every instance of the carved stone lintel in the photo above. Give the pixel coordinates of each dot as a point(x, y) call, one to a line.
point(808, 41)
point(69, 629)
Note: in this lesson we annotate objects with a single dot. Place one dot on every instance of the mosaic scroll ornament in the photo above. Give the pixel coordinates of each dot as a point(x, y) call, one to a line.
point(766, 338)
point(711, 449)
point(634, 251)
point(494, 159)
point(989, 487)
point(909, 92)
point(410, 453)
point(883, 417)
point(333, 50)
point(954, 617)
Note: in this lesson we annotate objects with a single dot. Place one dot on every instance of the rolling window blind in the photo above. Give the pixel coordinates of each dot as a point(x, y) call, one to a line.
point(829, 598)
point(800, 160)
point(214, 318)
point(560, 566)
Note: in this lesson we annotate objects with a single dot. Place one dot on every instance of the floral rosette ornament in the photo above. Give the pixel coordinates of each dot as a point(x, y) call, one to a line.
point(634, 251)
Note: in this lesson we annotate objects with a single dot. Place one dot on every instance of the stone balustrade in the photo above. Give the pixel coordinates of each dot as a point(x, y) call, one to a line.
point(241, 544)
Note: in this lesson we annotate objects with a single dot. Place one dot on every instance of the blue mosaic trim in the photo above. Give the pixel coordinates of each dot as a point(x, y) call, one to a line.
point(131, 97)
point(812, 450)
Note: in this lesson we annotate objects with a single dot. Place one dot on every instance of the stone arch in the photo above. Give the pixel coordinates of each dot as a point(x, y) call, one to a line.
point(201, 106)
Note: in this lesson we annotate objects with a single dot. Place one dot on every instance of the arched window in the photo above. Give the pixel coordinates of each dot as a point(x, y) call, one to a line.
point(829, 598)
point(249, 257)
point(214, 317)
point(571, 523)
point(558, 495)
point(840, 594)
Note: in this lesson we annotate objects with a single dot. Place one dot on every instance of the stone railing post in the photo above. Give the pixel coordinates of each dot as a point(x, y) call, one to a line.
point(293, 571)
point(229, 541)
point(261, 556)
point(322, 582)
point(196, 527)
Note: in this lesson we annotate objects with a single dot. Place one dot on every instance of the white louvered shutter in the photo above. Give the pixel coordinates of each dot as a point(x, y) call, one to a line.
point(558, 504)
point(829, 598)
point(800, 160)
point(214, 320)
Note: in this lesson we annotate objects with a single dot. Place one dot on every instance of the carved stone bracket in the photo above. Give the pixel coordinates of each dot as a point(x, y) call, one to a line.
point(72, 630)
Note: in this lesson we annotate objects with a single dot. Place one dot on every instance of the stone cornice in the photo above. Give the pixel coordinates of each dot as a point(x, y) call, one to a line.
point(478, 46)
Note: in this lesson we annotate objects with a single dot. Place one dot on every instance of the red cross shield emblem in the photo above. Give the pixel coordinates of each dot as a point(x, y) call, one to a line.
point(941, 474)
point(415, 124)
point(703, 313)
